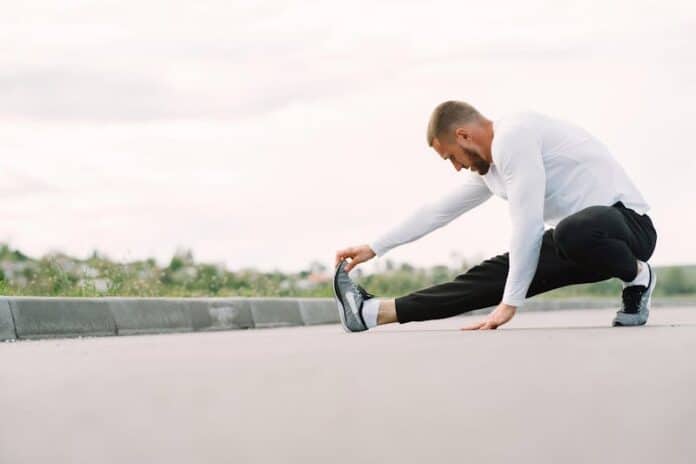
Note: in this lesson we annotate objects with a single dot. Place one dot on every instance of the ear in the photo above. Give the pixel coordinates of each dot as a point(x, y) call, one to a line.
point(461, 132)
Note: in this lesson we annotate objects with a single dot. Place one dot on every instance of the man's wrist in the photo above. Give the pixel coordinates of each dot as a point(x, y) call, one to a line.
point(511, 301)
point(376, 248)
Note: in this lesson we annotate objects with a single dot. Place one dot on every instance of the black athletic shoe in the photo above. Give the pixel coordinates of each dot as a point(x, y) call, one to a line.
point(636, 303)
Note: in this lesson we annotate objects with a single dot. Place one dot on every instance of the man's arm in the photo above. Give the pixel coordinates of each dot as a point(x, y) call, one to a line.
point(519, 161)
point(434, 215)
point(470, 194)
point(525, 179)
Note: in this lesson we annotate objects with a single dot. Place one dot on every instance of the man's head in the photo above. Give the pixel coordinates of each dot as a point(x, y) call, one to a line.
point(460, 134)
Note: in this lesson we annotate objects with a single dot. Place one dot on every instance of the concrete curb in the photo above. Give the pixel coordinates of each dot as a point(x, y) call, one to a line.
point(316, 311)
point(275, 312)
point(7, 326)
point(224, 314)
point(40, 317)
point(35, 317)
point(61, 317)
point(135, 317)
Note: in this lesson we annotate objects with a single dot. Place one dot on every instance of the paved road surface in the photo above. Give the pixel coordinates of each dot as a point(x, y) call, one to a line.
point(556, 387)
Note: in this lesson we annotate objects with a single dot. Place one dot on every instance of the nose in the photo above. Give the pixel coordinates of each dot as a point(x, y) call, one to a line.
point(457, 166)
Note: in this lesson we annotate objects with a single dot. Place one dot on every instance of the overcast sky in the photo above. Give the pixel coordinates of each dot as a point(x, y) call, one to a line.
point(270, 134)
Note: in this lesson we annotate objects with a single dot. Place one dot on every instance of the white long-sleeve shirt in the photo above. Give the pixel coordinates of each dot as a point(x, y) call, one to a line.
point(546, 169)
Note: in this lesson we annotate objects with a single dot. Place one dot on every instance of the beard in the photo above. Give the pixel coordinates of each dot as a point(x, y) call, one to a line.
point(479, 164)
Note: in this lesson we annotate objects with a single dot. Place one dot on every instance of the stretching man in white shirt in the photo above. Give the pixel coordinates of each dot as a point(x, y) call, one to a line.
point(550, 172)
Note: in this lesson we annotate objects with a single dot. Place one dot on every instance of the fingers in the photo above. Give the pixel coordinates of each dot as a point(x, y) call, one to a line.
point(476, 326)
point(352, 263)
point(487, 324)
point(355, 254)
point(343, 254)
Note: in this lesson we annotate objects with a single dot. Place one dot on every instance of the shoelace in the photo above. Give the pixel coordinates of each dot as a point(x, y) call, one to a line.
point(631, 298)
point(364, 293)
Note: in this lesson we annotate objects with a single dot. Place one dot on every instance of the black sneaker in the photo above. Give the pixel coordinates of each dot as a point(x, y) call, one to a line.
point(636, 303)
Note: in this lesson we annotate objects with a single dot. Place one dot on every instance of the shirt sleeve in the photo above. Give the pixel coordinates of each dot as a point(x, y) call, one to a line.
point(434, 215)
point(520, 163)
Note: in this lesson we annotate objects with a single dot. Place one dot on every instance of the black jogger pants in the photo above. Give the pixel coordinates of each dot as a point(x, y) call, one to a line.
point(595, 244)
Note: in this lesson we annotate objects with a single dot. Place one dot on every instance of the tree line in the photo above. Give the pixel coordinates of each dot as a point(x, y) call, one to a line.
point(61, 275)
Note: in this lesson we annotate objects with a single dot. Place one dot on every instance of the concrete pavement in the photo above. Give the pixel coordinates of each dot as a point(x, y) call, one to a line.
point(558, 386)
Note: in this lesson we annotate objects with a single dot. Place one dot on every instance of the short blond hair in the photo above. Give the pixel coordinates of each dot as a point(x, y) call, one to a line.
point(447, 114)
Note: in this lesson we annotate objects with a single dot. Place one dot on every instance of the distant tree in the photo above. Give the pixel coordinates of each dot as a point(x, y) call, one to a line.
point(176, 263)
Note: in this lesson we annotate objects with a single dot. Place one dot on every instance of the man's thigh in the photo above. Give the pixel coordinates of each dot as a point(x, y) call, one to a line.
point(596, 224)
point(555, 271)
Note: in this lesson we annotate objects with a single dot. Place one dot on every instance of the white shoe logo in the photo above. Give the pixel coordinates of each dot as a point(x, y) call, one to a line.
point(351, 302)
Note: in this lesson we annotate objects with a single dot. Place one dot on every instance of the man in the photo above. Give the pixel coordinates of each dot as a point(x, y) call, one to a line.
point(550, 172)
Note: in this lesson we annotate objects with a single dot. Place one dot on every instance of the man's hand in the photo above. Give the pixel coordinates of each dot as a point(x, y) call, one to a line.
point(358, 254)
point(498, 317)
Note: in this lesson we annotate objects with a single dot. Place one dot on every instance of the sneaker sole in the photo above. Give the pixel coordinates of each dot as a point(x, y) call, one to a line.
point(339, 303)
point(618, 324)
